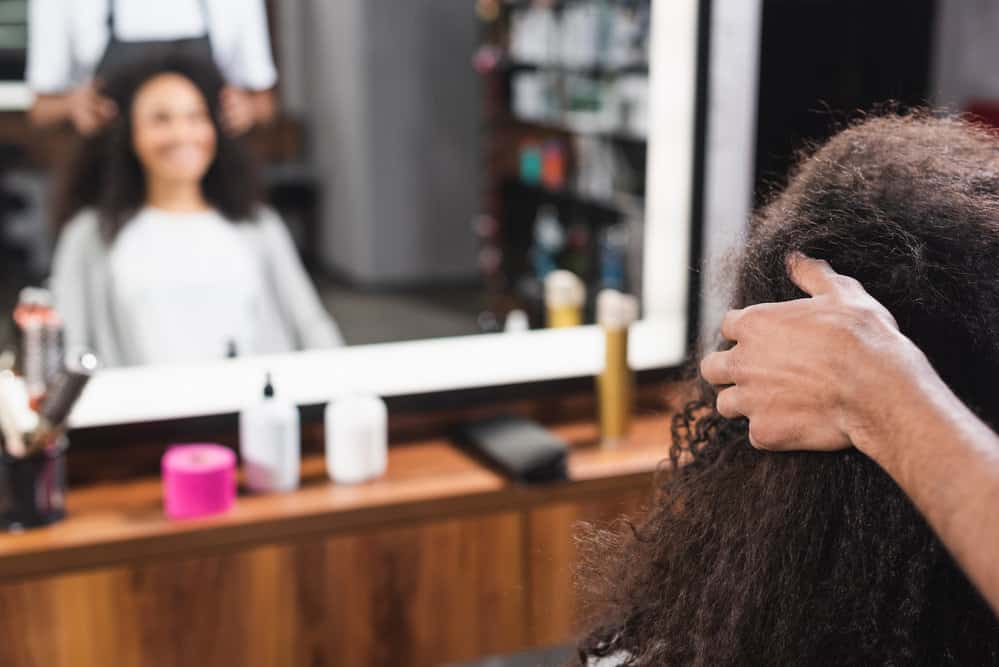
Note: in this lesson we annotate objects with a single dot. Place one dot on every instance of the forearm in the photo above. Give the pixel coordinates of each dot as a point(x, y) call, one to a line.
point(49, 110)
point(947, 461)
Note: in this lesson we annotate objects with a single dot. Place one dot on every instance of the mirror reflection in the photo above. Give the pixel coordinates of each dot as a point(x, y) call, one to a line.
point(207, 179)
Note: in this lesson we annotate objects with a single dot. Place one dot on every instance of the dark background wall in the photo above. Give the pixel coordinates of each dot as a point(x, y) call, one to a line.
point(823, 60)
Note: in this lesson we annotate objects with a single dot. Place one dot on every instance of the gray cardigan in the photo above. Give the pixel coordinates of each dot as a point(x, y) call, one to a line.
point(291, 316)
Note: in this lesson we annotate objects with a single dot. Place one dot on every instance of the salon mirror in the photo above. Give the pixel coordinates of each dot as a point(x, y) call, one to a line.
point(433, 162)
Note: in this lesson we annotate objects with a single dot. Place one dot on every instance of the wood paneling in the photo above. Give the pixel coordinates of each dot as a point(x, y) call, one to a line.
point(410, 596)
point(553, 556)
point(441, 560)
point(118, 522)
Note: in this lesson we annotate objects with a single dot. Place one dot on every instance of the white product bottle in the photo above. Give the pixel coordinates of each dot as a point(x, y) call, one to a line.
point(356, 439)
point(270, 443)
point(516, 322)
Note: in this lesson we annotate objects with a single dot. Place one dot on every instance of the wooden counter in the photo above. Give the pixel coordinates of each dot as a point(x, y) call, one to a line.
point(441, 560)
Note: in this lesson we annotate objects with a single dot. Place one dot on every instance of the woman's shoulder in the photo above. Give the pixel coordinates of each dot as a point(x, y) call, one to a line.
point(79, 244)
point(266, 217)
point(82, 228)
point(266, 224)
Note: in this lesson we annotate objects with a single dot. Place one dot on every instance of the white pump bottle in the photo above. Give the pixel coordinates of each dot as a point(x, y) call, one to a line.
point(270, 443)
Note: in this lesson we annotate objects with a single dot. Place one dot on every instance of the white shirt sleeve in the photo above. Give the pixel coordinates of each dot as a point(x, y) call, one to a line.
point(50, 59)
point(69, 278)
point(253, 67)
point(313, 326)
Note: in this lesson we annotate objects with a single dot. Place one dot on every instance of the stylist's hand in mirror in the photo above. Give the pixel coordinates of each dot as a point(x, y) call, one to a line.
point(84, 106)
point(786, 371)
point(89, 109)
point(240, 110)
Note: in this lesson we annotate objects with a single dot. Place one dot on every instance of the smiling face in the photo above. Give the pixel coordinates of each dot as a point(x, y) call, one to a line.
point(172, 131)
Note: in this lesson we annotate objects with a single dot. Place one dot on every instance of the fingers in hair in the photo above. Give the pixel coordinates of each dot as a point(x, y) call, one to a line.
point(812, 276)
point(731, 403)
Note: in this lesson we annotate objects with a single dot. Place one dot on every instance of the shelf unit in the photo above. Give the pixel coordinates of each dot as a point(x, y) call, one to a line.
point(511, 203)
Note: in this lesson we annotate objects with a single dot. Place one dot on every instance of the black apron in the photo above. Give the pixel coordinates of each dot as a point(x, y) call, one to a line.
point(120, 53)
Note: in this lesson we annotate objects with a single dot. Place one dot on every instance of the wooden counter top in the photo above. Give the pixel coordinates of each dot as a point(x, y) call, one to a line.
point(123, 521)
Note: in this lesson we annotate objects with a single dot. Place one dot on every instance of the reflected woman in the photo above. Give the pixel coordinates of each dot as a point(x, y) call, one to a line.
point(166, 253)
point(752, 558)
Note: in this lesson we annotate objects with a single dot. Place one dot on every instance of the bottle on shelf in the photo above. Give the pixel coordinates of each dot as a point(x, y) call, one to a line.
point(516, 321)
point(553, 165)
point(578, 249)
point(534, 35)
point(270, 443)
point(531, 163)
point(565, 295)
point(614, 257)
point(616, 312)
point(549, 240)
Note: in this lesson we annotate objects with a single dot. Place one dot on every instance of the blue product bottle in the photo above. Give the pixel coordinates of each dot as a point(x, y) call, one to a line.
point(614, 257)
point(549, 240)
point(531, 164)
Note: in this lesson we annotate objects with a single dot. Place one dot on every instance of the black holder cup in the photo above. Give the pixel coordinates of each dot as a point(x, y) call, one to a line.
point(33, 488)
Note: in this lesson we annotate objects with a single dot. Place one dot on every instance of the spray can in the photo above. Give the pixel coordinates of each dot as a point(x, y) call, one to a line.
point(616, 383)
point(564, 297)
point(39, 335)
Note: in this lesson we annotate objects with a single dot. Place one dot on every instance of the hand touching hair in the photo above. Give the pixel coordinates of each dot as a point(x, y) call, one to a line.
point(753, 558)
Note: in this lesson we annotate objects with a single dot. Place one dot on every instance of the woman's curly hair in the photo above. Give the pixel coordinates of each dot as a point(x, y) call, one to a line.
point(753, 558)
point(104, 173)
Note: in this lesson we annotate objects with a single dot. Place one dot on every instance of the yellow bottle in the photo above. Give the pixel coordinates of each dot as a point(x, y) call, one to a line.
point(616, 383)
point(564, 297)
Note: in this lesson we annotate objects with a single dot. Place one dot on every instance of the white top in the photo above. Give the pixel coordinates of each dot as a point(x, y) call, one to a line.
point(287, 315)
point(66, 38)
point(184, 286)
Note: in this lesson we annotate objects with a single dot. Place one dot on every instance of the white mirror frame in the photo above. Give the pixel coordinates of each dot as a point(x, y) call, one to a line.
point(142, 394)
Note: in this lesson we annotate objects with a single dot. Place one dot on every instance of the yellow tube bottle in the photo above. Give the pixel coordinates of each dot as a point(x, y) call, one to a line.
point(564, 297)
point(616, 383)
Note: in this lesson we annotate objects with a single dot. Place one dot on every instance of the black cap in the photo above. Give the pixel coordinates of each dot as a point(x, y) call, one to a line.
point(268, 387)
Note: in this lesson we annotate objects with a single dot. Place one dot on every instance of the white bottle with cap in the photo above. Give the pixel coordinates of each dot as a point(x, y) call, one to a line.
point(516, 322)
point(356, 439)
point(270, 443)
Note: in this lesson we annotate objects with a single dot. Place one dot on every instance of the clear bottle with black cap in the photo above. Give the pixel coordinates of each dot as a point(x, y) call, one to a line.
point(270, 443)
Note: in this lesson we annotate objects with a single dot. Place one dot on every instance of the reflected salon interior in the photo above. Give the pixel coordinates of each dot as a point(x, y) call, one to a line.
point(366, 332)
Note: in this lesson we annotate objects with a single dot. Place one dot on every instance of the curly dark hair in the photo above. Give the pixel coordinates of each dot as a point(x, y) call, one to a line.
point(105, 174)
point(753, 558)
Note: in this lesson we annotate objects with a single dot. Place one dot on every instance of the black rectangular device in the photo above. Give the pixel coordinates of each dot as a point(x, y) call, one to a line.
point(521, 448)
